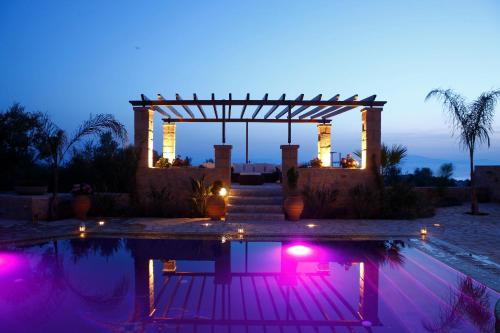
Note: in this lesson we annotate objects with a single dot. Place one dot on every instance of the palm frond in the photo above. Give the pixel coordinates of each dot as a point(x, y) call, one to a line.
point(97, 125)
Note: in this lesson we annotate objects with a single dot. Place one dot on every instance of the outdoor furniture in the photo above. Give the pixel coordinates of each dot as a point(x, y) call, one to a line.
point(250, 178)
point(268, 173)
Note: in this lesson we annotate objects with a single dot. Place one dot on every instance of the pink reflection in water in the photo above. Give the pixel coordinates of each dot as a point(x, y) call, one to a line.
point(299, 250)
point(8, 262)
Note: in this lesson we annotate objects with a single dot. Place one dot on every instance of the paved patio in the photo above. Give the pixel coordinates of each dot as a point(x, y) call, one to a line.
point(467, 243)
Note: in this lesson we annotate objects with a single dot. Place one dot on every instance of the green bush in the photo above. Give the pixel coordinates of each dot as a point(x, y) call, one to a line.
point(401, 201)
point(319, 202)
point(365, 201)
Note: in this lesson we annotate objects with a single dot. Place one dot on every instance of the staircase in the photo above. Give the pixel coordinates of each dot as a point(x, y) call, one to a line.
point(255, 203)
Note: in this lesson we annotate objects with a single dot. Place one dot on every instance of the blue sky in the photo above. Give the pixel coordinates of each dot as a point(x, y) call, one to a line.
point(72, 58)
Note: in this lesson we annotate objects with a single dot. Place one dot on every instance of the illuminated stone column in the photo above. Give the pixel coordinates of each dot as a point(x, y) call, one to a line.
point(324, 144)
point(370, 137)
point(169, 141)
point(143, 136)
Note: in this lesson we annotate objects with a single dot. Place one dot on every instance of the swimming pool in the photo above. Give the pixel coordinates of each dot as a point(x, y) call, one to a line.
point(214, 285)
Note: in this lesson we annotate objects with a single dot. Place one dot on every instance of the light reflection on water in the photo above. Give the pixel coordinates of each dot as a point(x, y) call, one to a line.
point(137, 285)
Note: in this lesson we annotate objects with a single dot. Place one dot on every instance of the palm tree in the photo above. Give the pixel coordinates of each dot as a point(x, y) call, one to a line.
point(54, 143)
point(473, 122)
point(390, 158)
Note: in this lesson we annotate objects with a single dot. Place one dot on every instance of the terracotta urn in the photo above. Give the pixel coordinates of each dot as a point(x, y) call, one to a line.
point(216, 207)
point(293, 205)
point(81, 206)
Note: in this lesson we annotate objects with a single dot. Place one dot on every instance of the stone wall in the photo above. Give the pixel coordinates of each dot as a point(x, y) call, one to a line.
point(488, 177)
point(24, 207)
point(177, 180)
point(343, 180)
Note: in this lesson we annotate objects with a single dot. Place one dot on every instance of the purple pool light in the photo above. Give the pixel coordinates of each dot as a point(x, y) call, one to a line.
point(299, 250)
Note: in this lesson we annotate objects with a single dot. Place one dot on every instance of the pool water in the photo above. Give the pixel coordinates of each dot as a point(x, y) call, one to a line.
point(140, 285)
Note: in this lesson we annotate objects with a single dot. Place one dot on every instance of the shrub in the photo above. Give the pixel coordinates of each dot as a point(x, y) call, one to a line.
point(365, 201)
point(163, 163)
point(401, 201)
point(319, 201)
point(199, 195)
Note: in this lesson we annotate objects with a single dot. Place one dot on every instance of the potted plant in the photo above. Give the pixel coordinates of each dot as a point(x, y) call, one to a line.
point(294, 203)
point(81, 200)
point(216, 204)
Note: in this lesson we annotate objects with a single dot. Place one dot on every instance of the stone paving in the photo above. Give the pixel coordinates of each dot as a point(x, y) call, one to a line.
point(467, 243)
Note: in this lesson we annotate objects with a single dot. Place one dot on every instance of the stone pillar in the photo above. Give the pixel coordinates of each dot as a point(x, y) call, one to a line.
point(324, 144)
point(143, 136)
point(289, 159)
point(223, 162)
point(371, 143)
point(169, 141)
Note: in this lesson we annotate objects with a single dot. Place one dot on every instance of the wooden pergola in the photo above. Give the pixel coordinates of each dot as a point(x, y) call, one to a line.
point(281, 110)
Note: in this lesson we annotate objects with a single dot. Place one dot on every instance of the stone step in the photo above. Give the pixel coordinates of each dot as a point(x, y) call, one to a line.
point(258, 200)
point(256, 209)
point(256, 191)
point(234, 217)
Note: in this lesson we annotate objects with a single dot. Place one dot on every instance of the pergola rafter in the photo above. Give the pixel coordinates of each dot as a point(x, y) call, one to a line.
point(323, 110)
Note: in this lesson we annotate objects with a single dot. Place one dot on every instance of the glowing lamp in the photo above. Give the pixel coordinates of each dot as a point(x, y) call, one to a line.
point(82, 235)
point(299, 250)
point(222, 192)
point(82, 227)
point(101, 223)
point(241, 230)
point(206, 225)
point(437, 225)
point(310, 225)
point(423, 231)
point(223, 239)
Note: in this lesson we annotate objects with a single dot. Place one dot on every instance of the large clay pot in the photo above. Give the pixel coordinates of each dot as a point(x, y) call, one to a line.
point(216, 207)
point(293, 205)
point(81, 206)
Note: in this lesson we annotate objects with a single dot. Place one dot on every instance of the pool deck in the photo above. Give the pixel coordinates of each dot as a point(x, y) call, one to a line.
point(470, 244)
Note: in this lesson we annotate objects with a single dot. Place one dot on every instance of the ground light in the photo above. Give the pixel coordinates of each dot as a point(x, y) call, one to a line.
point(101, 223)
point(82, 227)
point(206, 225)
point(423, 231)
point(222, 192)
point(310, 225)
point(299, 250)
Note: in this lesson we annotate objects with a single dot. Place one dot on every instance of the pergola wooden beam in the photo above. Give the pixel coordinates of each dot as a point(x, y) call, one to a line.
point(214, 105)
point(319, 107)
point(245, 120)
point(199, 107)
point(260, 105)
point(170, 107)
point(286, 109)
point(346, 108)
point(185, 107)
point(332, 108)
point(268, 102)
point(270, 112)
point(230, 98)
point(156, 107)
point(244, 107)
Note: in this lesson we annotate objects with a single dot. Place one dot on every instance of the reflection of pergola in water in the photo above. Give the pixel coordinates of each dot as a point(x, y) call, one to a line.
point(222, 298)
point(282, 110)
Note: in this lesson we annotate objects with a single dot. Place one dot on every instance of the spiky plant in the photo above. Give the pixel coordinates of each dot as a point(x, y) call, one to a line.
point(471, 121)
point(54, 143)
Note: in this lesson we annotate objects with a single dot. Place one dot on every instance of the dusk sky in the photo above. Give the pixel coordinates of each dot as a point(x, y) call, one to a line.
point(73, 58)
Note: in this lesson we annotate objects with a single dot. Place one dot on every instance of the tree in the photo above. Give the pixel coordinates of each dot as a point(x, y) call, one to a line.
point(473, 122)
point(18, 131)
point(54, 143)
